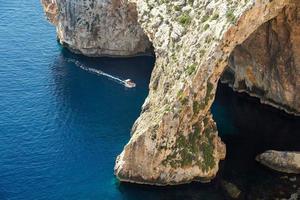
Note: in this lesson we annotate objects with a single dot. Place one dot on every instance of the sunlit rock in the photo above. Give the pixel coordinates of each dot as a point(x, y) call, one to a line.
point(98, 27)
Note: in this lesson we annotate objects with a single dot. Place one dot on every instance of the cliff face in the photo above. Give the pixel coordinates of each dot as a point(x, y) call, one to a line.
point(98, 27)
point(50, 8)
point(267, 64)
point(175, 139)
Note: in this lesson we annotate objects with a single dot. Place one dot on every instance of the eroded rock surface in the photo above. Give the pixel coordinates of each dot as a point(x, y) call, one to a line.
point(267, 64)
point(175, 139)
point(50, 8)
point(98, 27)
point(288, 162)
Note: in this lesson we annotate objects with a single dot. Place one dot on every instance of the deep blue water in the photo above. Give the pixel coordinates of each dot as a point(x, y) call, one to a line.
point(61, 127)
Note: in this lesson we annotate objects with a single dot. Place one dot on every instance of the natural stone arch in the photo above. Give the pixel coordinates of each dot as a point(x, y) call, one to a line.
point(267, 64)
point(175, 139)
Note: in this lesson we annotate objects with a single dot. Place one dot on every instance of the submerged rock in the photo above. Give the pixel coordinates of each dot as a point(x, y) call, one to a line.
point(294, 196)
point(232, 190)
point(287, 162)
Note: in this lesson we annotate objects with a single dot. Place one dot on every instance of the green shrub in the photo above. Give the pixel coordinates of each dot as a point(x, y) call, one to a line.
point(230, 16)
point(184, 19)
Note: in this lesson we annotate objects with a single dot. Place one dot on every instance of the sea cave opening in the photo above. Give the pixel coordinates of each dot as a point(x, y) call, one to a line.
point(256, 107)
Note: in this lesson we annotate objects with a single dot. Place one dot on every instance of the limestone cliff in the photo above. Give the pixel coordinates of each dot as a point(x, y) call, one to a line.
point(50, 8)
point(267, 64)
point(175, 139)
point(98, 27)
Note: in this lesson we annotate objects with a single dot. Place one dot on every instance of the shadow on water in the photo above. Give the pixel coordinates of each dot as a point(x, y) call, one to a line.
point(249, 128)
point(78, 122)
point(68, 77)
point(193, 191)
point(86, 94)
point(87, 103)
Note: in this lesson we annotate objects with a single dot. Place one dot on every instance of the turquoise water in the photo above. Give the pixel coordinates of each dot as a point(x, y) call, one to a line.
point(62, 127)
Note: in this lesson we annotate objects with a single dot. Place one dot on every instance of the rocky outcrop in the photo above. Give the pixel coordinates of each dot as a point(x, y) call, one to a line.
point(51, 11)
point(175, 139)
point(267, 64)
point(98, 27)
point(288, 162)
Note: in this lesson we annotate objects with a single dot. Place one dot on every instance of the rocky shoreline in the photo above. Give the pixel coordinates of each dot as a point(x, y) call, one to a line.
point(175, 140)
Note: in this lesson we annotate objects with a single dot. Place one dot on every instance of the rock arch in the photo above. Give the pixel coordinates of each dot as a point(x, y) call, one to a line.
point(175, 139)
point(267, 64)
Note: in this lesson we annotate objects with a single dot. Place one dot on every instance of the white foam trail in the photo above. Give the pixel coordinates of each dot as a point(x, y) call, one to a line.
point(96, 71)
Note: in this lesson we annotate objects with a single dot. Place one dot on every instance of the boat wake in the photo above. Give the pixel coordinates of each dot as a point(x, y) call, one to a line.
point(101, 73)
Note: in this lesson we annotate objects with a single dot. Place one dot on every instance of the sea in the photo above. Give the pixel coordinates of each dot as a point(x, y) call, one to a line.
point(64, 118)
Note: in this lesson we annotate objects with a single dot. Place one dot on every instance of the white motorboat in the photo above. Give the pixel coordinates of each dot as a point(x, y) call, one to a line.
point(129, 83)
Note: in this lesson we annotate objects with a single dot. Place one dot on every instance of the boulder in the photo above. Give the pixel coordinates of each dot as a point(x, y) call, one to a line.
point(282, 161)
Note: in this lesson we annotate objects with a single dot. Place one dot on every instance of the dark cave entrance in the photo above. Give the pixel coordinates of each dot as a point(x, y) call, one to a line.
point(267, 63)
point(249, 128)
point(255, 106)
point(257, 93)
